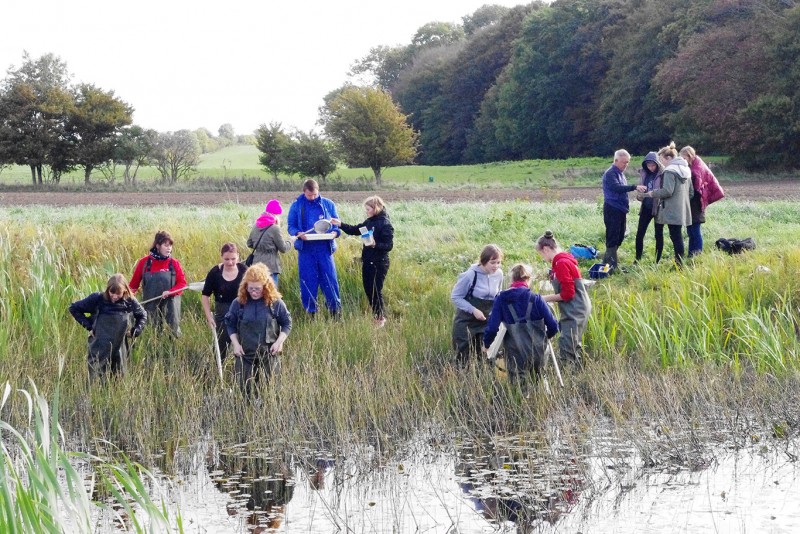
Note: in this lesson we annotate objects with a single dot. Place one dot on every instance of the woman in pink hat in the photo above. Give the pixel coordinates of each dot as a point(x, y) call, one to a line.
point(266, 240)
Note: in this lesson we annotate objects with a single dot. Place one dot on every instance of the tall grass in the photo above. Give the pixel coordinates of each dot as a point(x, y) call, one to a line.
point(658, 337)
point(42, 490)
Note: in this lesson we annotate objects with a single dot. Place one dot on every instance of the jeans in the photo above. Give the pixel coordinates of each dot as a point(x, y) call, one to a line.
point(695, 239)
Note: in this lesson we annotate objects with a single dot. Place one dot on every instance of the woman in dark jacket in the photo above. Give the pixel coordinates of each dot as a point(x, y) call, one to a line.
point(651, 179)
point(377, 235)
point(110, 315)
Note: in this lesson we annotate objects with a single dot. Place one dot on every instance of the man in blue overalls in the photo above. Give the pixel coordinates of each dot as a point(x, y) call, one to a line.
point(315, 257)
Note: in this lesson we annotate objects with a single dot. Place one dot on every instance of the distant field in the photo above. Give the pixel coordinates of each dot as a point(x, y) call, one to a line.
point(242, 161)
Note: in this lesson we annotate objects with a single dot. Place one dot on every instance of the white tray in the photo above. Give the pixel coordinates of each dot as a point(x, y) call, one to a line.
point(320, 237)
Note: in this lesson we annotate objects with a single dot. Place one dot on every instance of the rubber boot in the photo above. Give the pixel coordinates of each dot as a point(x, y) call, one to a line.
point(610, 257)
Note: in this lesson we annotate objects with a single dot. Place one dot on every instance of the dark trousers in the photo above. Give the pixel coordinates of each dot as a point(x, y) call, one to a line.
point(645, 216)
point(249, 368)
point(373, 275)
point(614, 220)
point(676, 236)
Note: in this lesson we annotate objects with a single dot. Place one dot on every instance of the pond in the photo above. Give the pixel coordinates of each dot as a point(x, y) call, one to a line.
point(511, 484)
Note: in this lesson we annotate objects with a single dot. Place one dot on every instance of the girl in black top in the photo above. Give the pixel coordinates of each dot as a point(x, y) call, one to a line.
point(109, 324)
point(375, 255)
point(222, 281)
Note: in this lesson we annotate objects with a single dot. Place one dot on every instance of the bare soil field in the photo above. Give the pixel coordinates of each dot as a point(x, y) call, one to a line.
point(767, 190)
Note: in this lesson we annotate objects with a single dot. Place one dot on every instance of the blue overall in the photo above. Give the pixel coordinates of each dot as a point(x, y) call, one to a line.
point(315, 258)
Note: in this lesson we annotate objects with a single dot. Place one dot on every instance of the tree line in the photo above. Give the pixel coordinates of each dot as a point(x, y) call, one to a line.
point(584, 77)
point(54, 127)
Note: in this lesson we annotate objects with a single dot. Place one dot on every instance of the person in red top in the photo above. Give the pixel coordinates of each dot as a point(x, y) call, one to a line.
point(573, 300)
point(160, 275)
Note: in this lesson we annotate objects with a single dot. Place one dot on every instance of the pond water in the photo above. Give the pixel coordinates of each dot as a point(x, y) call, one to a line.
point(510, 485)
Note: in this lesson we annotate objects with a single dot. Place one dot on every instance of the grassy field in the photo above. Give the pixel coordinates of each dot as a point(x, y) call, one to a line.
point(719, 338)
point(242, 162)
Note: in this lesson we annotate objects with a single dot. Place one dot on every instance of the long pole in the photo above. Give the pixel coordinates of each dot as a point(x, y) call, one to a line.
point(555, 362)
point(217, 354)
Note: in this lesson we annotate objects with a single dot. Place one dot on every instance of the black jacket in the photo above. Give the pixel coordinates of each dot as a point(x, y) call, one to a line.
point(382, 233)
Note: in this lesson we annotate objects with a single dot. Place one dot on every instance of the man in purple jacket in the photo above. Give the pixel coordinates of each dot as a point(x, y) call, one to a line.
point(615, 204)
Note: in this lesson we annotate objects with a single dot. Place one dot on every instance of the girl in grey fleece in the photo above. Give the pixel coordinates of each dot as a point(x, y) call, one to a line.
point(473, 296)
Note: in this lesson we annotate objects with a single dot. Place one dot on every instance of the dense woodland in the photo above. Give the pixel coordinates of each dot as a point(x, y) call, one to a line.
point(584, 77)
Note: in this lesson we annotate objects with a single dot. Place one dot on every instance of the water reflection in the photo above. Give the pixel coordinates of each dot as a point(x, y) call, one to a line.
point(260, 484)
point(514, 485)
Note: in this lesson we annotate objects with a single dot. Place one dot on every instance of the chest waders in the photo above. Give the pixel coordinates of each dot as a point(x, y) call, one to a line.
point(525, 344)
point(572, 322)
point(467, 330)
point(161, 310)
point(256, 337)
point(107, 348)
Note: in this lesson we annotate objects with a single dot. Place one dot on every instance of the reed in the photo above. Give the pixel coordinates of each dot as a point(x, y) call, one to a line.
point(657, 336)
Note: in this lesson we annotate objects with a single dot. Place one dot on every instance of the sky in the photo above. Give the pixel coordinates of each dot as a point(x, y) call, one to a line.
point(187, 64)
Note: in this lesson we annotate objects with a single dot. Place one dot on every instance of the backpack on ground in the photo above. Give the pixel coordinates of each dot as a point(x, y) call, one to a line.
point(584, 252)
point(734, 245)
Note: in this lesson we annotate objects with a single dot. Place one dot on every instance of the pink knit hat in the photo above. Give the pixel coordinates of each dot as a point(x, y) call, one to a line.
point(274, 207)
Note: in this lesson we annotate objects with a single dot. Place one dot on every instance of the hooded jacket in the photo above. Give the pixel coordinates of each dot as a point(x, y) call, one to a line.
point(674, 194)
point(382, 233)
point(652, 180)
point(705, 183)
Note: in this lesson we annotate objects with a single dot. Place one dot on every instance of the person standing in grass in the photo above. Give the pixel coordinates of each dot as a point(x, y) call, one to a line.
point(616, 205)
point(222, 281)
point(161, 275)
point(110, 314)
point(315, 257)
point(706, 191)
point(651, 179)
point(258, 323)
point(375, 254)
point(266, 240)
point(473, 296)
point(529, 323)
point(674, 195)
point(571, 295)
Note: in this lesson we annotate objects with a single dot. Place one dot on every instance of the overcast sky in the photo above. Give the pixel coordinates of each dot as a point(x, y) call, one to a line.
point(189, 64)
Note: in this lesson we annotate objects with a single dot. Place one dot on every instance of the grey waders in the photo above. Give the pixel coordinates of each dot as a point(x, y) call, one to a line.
point(256, 337)
point(572, 321)
point(160, 310)
point(108, 350)
point(525, 344)
point(467, 330)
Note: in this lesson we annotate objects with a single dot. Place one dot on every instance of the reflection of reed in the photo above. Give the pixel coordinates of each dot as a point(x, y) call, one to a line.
point(514, 485)
point(261, 487)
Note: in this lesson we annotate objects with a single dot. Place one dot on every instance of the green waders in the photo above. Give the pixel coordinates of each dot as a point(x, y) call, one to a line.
point(467, 330)
point(161, 310)
point(572, 321)
point(107, 348)
point(256, 338)
point(524, 344)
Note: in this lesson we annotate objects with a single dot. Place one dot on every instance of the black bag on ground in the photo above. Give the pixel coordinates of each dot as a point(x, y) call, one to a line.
point(734, 245)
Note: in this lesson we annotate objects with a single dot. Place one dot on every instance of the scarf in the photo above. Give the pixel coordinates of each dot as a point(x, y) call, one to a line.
point(156, 256)
point(519, 283)
point(265, 219)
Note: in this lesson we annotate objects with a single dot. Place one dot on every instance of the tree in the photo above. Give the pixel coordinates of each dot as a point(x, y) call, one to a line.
point(176, 154)
point(133, 150)
point(484, 16)
point(369, 128)
point(384, 65)
point(35, 102)
point(275, 146)
point(208, 142)
point(311, 155)
point(95, 123)
point(226, 135)
point(437, 34)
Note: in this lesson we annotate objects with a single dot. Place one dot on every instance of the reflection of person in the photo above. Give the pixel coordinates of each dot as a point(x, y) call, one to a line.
point(108, 322)
point(375, 255)
point(315, 257)
point(616, 205)
point(266, 241)
point(651, 179)
point(222, 281)
point(159, 274)
point(473, 296)
point(258, 323)
point(674, 194)
point(706, 191)
point(529, 321)
point(571, 295)
point(266, 481)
